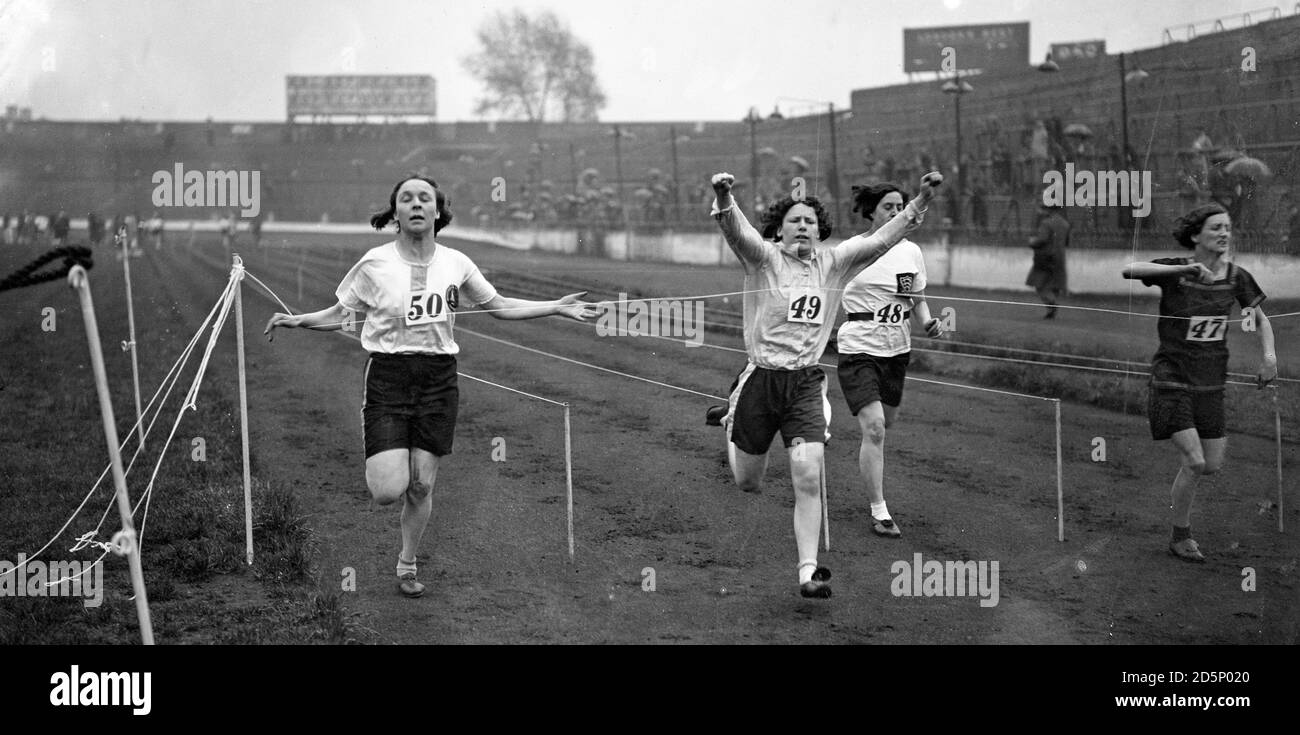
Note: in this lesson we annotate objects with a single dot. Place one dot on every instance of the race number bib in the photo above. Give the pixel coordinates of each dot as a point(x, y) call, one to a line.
point(1207, 328)
point(890, 313)
point(807, 306)
point(425, 307)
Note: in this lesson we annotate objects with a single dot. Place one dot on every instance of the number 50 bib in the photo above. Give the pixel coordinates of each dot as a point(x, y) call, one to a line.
point(425, 307)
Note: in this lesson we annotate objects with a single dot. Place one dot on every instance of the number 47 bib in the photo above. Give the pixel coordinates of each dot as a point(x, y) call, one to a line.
point(1207, 328)
point(806, 306)
point(424, 307)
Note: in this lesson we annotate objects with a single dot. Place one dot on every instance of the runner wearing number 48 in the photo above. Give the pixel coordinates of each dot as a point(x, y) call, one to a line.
point(875, 344)
point(1190, 368)
point(793, 288)
point(410, 289)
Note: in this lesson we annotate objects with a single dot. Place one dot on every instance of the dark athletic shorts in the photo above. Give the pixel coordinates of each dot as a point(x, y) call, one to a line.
point(866, 378)
point(1170, 411)
point(762, 402)
point(410, 402)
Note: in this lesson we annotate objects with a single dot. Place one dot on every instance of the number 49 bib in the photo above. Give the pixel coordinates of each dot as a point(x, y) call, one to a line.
point(806, 306)
point(424, 307)
point(1207, 328)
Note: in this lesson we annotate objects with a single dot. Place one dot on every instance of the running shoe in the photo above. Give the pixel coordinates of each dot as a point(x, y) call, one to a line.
point(1187, 550)
point(886, 528)
point(407, 585)
point(714, 416)
point(819, 587)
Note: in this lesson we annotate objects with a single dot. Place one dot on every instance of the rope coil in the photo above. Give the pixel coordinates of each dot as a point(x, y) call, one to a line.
point(27, 275)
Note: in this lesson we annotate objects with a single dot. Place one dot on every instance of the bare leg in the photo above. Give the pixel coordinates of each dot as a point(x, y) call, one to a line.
point(873, 419)
point(748, 469)
point(805, 471)
point(417, 503)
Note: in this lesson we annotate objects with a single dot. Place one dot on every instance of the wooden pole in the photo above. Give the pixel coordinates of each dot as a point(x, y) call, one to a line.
point(243, 409)
point(78, 280)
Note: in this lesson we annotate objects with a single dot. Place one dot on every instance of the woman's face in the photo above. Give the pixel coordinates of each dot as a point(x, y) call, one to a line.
point(1215, 234)
point(417, 207)
point(886, 209)
point(799, 226)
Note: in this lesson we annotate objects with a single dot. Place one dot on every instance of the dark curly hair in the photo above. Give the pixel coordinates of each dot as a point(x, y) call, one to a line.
point(770, 222)
point(1190, 224)
point(867, 198)
point(380, 220)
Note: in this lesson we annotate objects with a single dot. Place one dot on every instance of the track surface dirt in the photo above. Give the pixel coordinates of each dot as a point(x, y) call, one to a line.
point(969, 475)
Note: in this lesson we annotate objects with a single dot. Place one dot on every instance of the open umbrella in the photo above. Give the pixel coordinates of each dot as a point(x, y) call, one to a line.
point(1078, 130)
point(1224, 154)
point(1251, 168)
point(801, 162)
point(765, 151)
point(643, 193)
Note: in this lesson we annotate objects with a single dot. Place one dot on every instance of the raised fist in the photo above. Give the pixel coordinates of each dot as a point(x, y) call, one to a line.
point(722, 184)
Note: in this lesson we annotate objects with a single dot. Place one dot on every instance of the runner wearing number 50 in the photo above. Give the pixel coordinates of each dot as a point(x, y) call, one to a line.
point(875, 344)
point(793, 288)
point(410, 289)
point(1190, 368)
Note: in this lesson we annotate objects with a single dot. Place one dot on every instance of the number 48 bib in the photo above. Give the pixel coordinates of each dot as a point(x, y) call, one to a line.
point(424, 307)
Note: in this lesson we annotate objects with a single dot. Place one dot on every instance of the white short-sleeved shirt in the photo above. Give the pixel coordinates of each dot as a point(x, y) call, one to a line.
point(411, 307)
point(790, 303)
point(875, 289)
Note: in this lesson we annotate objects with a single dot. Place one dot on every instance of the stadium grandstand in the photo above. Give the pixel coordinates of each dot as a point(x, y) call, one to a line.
point(1190, 109)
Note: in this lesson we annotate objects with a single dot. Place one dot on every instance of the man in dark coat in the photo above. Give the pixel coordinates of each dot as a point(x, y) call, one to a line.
point(1048, 277)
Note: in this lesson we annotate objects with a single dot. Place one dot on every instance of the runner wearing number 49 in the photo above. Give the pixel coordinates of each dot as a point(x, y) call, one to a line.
point(792, 289)
point(1190, 368)
point(875, 343)
point(410, 289)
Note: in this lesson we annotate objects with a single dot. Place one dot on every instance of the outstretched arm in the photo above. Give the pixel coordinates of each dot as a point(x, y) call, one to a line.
point(741, 236)
point(1143, 270)
point(863, 250)
point(502, 307)
point(325, 320)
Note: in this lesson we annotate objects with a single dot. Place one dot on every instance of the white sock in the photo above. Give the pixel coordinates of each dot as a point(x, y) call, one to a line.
point(879, 511)
point(404, 567)
point(806, 569)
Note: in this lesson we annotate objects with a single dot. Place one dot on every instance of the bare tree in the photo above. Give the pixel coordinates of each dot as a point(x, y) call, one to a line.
point(534, 68)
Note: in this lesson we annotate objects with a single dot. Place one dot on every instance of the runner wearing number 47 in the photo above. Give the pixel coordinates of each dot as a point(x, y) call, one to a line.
point(1190, 368)
point(875, 344)
point(792, 290)
point(410, 289)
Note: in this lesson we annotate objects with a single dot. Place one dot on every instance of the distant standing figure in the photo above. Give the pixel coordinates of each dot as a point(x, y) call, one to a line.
point(229, 228)
point(1048, 276)
point(94, 229)
point(60, 227)
point(155, 228)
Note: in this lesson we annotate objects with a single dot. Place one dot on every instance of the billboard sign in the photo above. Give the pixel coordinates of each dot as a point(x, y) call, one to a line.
point(993, 47)
point(376, 94)
point(1063, 53)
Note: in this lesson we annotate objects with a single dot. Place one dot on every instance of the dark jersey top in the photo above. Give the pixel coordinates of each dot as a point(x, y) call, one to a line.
point(1193, 327)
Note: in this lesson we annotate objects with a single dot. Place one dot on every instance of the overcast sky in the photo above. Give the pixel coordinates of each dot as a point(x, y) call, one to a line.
point(663, 60)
